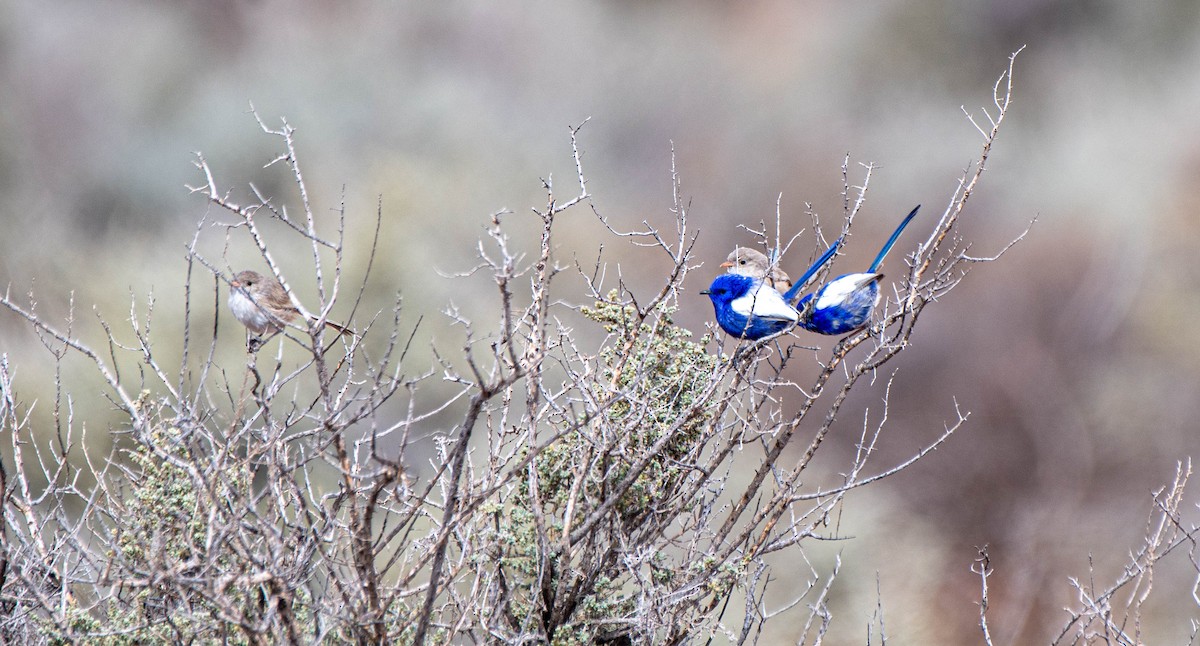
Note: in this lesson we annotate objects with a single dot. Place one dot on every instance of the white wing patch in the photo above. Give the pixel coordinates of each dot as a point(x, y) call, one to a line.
point(765, 303)
point(841, 287)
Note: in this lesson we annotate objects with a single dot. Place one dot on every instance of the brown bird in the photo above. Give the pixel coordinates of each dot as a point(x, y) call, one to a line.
point(262, 305)
point(752, 263)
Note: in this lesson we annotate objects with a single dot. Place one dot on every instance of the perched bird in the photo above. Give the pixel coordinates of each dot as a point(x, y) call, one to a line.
point(750, 262)
point(262, 305)
point(845, 303)
point(747, 307)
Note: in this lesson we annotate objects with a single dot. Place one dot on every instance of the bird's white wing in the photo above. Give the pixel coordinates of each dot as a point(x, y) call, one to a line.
point(765, 303)
point(841, 287)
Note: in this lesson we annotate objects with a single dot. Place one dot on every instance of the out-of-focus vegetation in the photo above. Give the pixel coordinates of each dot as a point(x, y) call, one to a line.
point(1074, 355)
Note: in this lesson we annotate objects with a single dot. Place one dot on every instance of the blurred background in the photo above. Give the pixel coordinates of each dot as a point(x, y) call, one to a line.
point(1073, 353)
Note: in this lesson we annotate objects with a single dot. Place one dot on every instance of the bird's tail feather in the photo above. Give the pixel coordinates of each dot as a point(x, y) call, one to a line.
point(791, 294)
point(892, 240)
point(341, 329)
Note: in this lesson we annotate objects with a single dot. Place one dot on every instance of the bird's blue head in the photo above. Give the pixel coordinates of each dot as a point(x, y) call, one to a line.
point(727, 287)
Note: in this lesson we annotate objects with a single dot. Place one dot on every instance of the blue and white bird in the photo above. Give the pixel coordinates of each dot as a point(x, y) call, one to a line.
point(845, 303)
point(749, 308)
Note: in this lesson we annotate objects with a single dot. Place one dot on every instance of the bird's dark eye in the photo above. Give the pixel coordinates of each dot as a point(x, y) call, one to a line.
point(742, 262)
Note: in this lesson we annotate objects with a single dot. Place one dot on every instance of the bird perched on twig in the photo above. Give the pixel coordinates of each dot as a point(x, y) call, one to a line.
point(753, 263)
point(263, 306)
point(845, 303)
point(749, 308)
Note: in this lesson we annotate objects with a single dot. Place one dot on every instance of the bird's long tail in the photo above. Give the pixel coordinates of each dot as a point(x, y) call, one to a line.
point(891, 241)
point(791, 294)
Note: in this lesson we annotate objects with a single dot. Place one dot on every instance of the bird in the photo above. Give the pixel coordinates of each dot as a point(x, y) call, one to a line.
point(751, 262)
point(263, 305)
point(845, 303)
point(748, 307)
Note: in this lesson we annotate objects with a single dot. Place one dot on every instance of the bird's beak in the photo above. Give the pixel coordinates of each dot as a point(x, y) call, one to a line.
point(726, 265)
point(235, 284)
point(704, 292)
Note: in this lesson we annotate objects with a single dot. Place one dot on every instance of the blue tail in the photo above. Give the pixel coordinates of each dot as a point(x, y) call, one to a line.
point(891, 241)
point(791, 294)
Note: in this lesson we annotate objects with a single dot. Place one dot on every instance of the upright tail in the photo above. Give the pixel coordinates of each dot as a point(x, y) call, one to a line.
point(791, 294)
point(891, 241)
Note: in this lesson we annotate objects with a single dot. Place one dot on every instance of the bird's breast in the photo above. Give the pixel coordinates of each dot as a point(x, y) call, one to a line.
point(248, 313)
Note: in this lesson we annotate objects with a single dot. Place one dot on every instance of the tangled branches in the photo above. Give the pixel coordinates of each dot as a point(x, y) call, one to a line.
point(623, 484)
